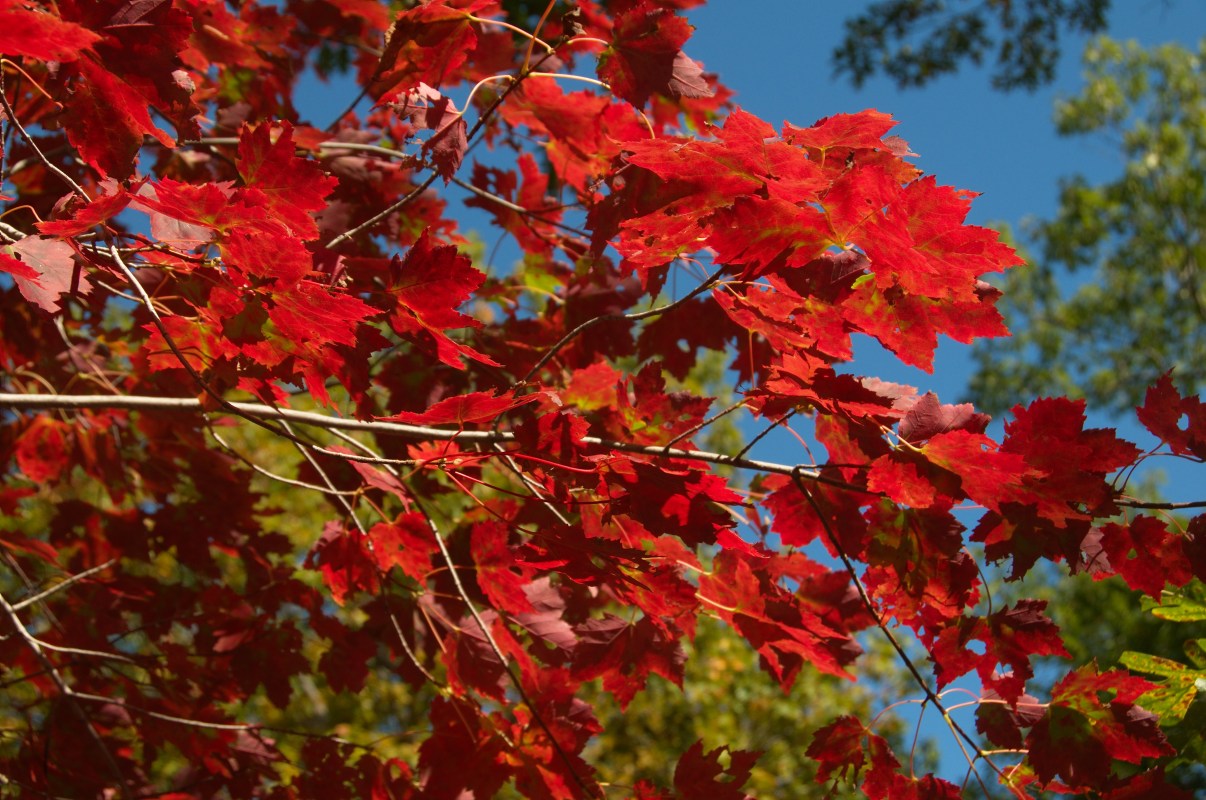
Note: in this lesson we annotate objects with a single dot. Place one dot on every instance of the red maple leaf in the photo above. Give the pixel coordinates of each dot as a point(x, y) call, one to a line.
point(407, 542)
point(43, 449)
point(1162, 411)
point(107, 119)
point(624, 654)
point(344, 560)
point(464, 409)
point(928, 417)
point(645, 56)
point(292, 188)
point(1082, 734)
point(1003, 722)
point(698, 773)
point(1010, 636)
point(427, 44)
point(425, 107)
point(47, 269)
point(82, 217)
point(500, 577)
point(1146, 553)
point(424, 289)
point(33, 32)
point(783, 631)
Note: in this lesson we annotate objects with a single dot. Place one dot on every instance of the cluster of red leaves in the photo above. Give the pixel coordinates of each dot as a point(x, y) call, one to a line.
point(542, 518)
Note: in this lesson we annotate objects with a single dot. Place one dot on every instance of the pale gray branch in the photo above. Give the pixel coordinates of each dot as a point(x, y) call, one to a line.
point(419, 432)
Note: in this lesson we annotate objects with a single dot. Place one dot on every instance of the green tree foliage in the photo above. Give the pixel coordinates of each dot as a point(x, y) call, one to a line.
point(915, 41)
point(1117, 291)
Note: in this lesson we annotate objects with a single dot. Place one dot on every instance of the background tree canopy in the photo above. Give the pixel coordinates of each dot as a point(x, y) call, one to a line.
point(914, 42)
point(1116, 291)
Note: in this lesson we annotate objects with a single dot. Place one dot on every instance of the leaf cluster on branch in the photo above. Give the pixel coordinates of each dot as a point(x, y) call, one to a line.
point(502, 495)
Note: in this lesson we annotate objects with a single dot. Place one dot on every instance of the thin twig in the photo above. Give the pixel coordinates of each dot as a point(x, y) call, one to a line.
point(1164, 506)
point(506, 664)
point(518, 209)
point(46, 162)
point(697, 428)
point(750, 445)
point(931, 696)
point(65, 583)
point(407, 198)
point(68, 693)
point(78, 651)
point(638, 315)
point(281, 478)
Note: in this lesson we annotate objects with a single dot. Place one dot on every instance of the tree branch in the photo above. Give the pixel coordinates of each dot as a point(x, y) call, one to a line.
point(190, 405)
point(68, 693)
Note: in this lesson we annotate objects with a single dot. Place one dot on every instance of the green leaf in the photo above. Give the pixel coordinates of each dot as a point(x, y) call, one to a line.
point(1181, 609)
point(1172, 699)
point(1152, 665)
point(1196, 650)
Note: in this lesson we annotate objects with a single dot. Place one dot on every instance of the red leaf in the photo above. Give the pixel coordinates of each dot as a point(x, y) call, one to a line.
point(645, 56)
point(1162, 411)
point(986, 473)
point(1010, 636)
point(107, 119)
point(54, 267)
point(625, 654)
point(463, 409)
point(928, 417)
point(1003, 722)
point(87, 216)
point(43, 449)
point(427, 44)
point(23, 274)
point(1146, 553)
point(312, 317)
point(1082, 733)
point(183, 215)
point(781, 628)
point(698, 774)
point(923, 247)
point(294, 188)
point(424, 107)
point(901, 480)
point(496, 564)
point(407, 543)
point(838, 749)
point(345, 563)
point(683, 502)
point(842, 132)
point(42, 35)
point(426, 287)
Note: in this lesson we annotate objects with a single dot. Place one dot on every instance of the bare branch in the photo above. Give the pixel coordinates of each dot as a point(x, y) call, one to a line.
point(58, 587)
point(65, 689)
point(419, 432)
